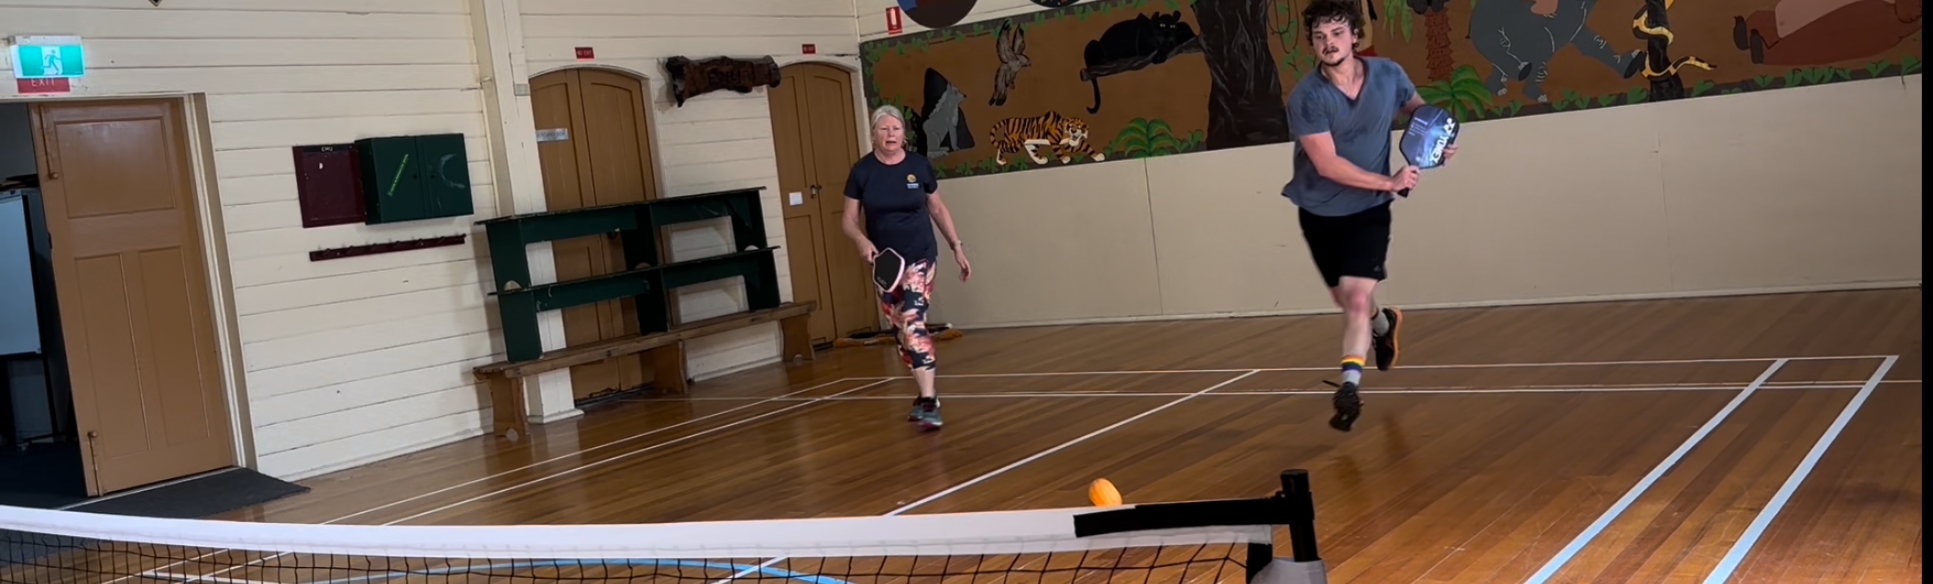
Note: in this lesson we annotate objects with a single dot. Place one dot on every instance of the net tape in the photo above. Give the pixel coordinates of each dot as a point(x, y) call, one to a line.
point(1173, 542)
point(984, 533)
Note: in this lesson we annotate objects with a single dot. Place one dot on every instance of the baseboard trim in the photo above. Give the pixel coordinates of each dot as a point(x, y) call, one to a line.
point(556, 416)
point(1643, 296)
point(461, 435)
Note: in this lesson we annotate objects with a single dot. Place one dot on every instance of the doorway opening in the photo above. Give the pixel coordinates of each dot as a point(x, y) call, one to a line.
point(40, 451)
point(110, 361)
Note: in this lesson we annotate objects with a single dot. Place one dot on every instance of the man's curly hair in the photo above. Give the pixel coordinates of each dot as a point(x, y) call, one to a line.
point(1320, 12)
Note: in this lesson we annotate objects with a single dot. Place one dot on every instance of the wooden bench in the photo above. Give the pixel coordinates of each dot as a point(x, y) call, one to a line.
point(652, 275)
point(649, 282)
point(505, 379)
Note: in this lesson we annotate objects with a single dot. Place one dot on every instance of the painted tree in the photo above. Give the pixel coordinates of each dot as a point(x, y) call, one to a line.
point(1436, 37)
point(1245, 106)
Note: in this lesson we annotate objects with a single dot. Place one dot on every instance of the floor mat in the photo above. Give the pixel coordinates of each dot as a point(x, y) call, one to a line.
point(204, 496)
point(199, 497)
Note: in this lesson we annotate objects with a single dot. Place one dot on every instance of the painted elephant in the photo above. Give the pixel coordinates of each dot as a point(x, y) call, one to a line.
point(1519, 37)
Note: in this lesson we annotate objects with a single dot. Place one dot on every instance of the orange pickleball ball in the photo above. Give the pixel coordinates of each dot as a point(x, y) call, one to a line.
point(1103, 494)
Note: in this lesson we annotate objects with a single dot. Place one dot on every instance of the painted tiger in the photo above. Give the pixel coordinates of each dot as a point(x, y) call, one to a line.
point(1067, 136)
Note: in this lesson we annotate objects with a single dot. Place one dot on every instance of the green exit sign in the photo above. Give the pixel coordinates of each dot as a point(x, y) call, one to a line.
point(47, 57)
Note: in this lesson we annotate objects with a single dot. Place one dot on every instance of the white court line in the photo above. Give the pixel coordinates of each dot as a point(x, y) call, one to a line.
point(1743, 546)
point(1417, 390)
point(877, 380)
point(623, 456)
point(583, 451)
point(573, 454)
point(194, 578)
point(1313, 391)
point(1713, 360)
point(1017, 464)
point(1564, 556)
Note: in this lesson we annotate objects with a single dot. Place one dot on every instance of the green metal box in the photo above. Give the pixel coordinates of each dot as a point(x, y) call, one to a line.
point(408, 178)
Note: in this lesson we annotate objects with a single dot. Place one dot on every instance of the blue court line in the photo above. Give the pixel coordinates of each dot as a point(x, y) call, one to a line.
point(806, 578)
point(1745, 541)
point(1577, 544)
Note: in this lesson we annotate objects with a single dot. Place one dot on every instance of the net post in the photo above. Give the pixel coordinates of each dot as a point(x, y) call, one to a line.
point(1302, 530)
point(1305, 564)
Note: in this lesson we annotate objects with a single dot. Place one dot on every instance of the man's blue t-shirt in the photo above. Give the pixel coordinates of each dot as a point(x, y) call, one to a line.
point(893, 197)
point(1361, 129)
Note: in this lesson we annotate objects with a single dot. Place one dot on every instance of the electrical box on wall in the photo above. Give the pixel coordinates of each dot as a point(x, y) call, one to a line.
point(406, 178)
point(326, 185)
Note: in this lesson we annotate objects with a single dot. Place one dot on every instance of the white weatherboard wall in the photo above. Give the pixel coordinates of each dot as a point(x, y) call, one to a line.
point(717, 141)
point(353, 360)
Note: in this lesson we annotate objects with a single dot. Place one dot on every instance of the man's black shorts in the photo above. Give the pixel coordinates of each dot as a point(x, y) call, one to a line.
point(1350, 245)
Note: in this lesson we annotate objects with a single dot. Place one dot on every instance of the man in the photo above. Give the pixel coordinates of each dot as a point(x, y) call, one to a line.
point(1342, 115)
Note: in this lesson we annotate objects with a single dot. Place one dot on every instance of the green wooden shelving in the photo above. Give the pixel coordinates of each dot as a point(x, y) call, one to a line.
point(651, 280)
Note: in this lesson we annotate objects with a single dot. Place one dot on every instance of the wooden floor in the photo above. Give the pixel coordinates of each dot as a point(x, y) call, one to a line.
point(1505, 434)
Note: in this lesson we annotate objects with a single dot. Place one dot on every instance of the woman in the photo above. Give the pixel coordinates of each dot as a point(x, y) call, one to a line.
point(897, 194)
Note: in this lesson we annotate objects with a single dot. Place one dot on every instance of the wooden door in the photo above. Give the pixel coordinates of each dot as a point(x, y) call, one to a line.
point(596, 151)
point(814, 131)
point(132, 286)
point(805, 234)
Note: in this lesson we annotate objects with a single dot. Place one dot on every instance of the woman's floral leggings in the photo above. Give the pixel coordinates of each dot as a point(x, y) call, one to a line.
point(906, 308)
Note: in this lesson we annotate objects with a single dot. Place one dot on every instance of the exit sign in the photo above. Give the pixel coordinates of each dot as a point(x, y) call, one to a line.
point(47, 57)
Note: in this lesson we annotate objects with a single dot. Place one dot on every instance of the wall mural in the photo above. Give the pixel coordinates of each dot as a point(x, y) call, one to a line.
point(1113, 79)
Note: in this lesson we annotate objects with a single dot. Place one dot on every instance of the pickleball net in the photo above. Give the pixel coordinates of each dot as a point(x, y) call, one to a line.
point(1194, 542)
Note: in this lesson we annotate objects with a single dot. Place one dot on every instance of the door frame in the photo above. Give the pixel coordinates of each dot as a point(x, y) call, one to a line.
point(214, 249)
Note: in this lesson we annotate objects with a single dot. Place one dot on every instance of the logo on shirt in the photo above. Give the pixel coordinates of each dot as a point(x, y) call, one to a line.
point(912, 182)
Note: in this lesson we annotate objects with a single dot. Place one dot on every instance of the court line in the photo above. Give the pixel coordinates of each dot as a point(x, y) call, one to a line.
point(1564, 556)
point(1332, 368)
point(1416, 390)
point(573, 454)
point(1017, 464)
point(574, 469)
point(1313, 391)
point(1325, 392)
point(878, 380)
point(1743, 546)
point(625, 455)
point(582, 451)
point(216, 580)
